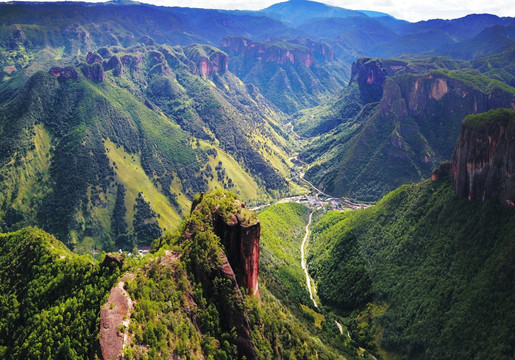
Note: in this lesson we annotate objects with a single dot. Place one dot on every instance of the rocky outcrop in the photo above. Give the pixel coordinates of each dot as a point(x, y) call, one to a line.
point(237, 320)
point(441, 172)
point(297, 52)
point(241, 242)
point(67, 72)
point(370, 76)
point(114, 64)
point(93, 72)
point(114, 321)
point(92, 58)
point(207, 60)
point(219, 214)
point(483, 163)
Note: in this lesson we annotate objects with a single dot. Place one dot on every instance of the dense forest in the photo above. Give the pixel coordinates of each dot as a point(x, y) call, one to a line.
point(442, 266)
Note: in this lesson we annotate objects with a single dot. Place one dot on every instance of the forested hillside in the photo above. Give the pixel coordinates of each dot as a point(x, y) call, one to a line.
point(109, 153)
point(440, 264)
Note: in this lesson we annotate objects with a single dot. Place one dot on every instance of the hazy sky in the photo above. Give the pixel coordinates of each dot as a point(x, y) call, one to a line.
point(401, 9)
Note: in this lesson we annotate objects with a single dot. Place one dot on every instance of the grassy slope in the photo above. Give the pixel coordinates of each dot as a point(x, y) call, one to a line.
point(283, 283)
point(443, 266)
point(130, 173)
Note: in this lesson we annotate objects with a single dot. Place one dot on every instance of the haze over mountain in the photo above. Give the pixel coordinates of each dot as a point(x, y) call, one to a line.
point(135, 139)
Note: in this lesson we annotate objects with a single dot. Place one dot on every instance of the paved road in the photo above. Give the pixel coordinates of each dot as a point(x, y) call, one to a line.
point(303, 261)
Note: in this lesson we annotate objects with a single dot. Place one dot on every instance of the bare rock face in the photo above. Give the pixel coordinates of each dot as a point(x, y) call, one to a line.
point(67, 72)
point(370, 76)
point(93, 72)
point(241, 242)
point(92, 58)
point(483, 163)
point(207, 60)
point(114, 321)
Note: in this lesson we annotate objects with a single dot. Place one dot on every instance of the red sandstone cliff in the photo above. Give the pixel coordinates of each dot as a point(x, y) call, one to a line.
point(483, 163)
point(297, 52)
point(241, 242)
point(207, 60)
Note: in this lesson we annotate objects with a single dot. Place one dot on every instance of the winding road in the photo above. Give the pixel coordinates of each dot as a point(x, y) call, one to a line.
point(303, 261)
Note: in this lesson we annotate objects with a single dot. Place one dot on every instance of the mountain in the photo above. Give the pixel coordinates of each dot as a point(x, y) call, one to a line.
point(427, 272)
point(386, 37)
point(110, 152)
point(295, 12)
point(293, 74)
point(482, 162)
point(189, 297)
point(394, 123)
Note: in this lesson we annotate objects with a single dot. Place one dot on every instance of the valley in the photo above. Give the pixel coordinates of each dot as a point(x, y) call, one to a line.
point(298, 182)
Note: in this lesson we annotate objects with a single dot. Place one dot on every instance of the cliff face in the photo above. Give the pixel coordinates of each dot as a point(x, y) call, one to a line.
point(242, 246)
point(410, 122)
point(370, 76)
point(237, 262)
point(295, 53)
point(207, 60)
point(483, 163)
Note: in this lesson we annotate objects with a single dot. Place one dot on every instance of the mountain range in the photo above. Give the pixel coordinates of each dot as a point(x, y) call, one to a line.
point(163, 168)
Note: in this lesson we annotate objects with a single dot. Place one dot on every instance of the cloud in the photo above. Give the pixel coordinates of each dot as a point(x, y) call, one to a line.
point(401, 9)
point(424, 10)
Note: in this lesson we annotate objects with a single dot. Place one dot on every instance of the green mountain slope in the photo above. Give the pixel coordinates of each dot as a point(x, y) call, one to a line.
point(50, 297)
point(393, 124)
point(184, 299)
point(292, 74)
point(110, 152)
point(443, 267)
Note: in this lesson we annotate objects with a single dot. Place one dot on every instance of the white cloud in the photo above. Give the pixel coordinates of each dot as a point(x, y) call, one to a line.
point(402, 9)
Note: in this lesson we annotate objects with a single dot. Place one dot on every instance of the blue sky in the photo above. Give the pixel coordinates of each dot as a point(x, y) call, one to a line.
point(402, 9)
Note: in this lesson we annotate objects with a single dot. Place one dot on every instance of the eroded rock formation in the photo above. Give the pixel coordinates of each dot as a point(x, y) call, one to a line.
point(483, 163)
point(93, 72)
point(241, 242)
point(114, 321)
point(299, 52)
point(67, 72)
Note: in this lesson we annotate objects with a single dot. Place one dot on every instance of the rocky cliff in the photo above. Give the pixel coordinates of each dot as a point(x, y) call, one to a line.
point(207, 59)
point(237, 264)
point(298, 52)
point(241, 242)
point(409, 124)
point(483, 163)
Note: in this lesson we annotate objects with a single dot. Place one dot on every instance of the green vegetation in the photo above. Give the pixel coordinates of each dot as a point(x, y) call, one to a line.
point(493, 116)
point(69, 143)
point(283, 287)
point(364, 150)
point(282, 230)
point(441, 265)
point(50, 298)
